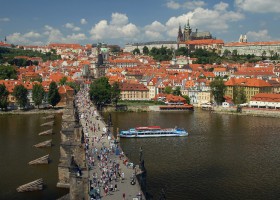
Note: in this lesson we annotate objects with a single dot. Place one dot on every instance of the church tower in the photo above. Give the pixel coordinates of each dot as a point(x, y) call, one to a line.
point(180, 37)
point(187, 32)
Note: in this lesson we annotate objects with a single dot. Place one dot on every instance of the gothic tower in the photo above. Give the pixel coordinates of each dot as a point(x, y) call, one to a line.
point(187, 32)
point(180, 37)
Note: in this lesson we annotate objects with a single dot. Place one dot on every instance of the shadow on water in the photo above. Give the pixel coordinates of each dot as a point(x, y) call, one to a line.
point(17, 136)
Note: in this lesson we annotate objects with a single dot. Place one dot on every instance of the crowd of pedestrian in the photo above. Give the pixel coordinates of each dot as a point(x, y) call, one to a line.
point(103, 155)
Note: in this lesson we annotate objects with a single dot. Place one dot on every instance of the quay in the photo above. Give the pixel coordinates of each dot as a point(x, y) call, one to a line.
point(92, 163)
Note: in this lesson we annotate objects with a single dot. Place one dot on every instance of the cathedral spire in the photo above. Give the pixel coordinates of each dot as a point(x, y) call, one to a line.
point(180, 36)
point(188, 24)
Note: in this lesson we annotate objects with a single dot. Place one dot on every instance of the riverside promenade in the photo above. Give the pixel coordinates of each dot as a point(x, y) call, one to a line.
point(109, 171)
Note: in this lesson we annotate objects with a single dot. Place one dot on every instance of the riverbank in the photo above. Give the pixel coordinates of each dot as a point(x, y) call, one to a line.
point(219, 109)
point(32, 111)
point(257, 112)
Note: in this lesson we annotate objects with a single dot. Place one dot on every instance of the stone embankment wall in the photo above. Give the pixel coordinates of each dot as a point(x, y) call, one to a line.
point(129, 109)
point(248, 111)
point(33, 111)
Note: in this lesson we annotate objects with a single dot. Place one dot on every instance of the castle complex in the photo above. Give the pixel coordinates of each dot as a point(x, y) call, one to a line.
point(188, 35)
point(198, 40)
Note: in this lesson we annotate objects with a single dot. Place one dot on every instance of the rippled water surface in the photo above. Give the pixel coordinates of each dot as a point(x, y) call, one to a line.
point(18, 134)
point(224, 156)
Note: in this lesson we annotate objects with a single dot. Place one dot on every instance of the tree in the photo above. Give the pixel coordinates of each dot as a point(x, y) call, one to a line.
point(63, 80)
point(226, 53)
point(218, 89)
point(74, 86)
point(3, 97)
point(53, 95)
point(177, 91)
point(7, 72)
point(182, 51)
point(20, 93)
point(35, 62)
point(136, 51)
point(188, 100)
point(115, 93)
point(145, 50)
point(239, 95)
point(168, 90)
point(100, 92)
point(264, 55)
point(234, 52)
point(38, 94)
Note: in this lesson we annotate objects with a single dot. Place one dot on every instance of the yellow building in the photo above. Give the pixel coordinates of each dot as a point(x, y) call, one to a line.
point(251, 86)
point(134, 91)
point(204, 97)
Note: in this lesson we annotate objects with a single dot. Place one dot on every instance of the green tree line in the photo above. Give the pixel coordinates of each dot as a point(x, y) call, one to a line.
point(38, 95)
point(8, 55)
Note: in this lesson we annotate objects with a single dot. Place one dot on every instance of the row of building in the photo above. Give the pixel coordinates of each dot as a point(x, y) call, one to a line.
point(142, 78)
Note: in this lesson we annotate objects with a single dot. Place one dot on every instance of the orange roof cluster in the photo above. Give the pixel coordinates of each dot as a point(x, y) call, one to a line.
point(220, 69)
point(59, 45)
point(204, 42)
point(64, 88)
point(10, 84)
point(209, 74)
point(249, 82)
point(266, 97)
point(3, 44)
point(124, 61)
point(173, 98)
point(170, 97)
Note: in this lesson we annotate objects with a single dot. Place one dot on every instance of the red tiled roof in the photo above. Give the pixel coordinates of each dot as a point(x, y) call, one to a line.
point(266, 97)
point(250, 82)
point(133, 87)
point(204, 42)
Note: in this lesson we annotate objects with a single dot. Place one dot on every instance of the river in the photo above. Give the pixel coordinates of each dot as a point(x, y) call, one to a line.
point(18, 134)
point(224, 156)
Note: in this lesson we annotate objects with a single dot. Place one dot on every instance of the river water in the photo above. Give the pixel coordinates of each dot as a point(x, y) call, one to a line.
point(224, 156)
point(18, 134)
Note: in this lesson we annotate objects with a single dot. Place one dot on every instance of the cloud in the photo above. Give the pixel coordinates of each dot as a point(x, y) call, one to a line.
point(5, 19)
point(261, 35)
point(119, 19)
point(259, 6)
point(54, 35)
point(83, 21)
point(72, 27)
point(216, 19)
point(173, 5)
point(187, 5)
point(76, 37)
point(155, 30)
point(32, 34)
point(119, 27)
point(27, 38)
point(221, 6)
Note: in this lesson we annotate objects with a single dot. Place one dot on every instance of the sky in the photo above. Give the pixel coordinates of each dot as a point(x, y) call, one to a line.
point(40, 22)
